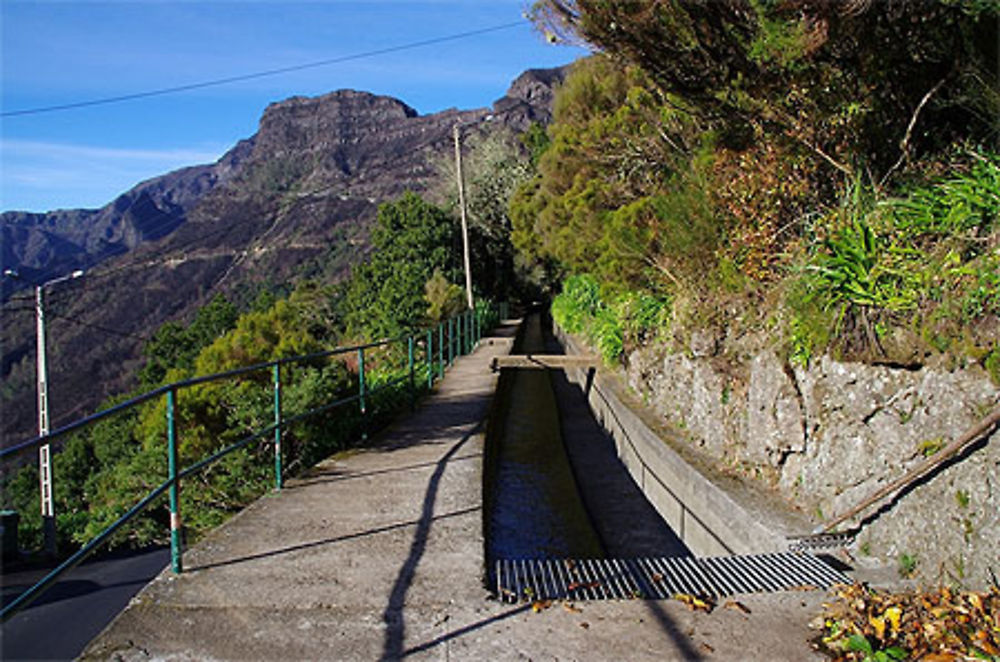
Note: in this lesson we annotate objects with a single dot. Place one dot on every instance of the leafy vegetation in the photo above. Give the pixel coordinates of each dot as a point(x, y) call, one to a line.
point(874, 626)
point(821, 174)
point(106, 468)
point(926, 261)
point(410, 241)
point(632, 316)
point(444, 299)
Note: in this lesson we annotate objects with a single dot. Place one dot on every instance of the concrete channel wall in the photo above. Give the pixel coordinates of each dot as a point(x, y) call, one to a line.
point(712, 514)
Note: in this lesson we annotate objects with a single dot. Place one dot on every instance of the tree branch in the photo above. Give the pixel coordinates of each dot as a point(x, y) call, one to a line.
point(904, 144)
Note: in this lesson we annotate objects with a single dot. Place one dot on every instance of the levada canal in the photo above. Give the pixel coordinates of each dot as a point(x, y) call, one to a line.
point(533, 508)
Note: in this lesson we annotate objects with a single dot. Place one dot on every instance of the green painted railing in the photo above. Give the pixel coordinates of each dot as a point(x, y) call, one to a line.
point(461, 333)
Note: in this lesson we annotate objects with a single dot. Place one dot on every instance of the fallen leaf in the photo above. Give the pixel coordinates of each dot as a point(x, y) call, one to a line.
point(736, 606)
point(694, 602)
point(571, 608)
point(575, 585)
point(585, 625)
point(803, 587)
point(540, 605)
point(976, 601)
point(707, 647)
point(878, 623)
point(894, 614)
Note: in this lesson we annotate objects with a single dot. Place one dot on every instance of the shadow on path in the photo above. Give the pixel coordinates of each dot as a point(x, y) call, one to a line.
point(395, 625)
point(335, 476)
point(464, 630)
point(328, 541)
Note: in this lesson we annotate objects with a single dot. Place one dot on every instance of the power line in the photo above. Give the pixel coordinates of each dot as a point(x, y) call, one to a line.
point(20, 309)
point(259, 74)
point(98, 327)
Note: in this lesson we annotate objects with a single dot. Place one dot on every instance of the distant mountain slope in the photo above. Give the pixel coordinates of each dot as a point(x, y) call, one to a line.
point(80, 238)
point(303, 190)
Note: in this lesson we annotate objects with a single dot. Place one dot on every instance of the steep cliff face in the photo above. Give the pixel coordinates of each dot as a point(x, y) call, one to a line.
point(297, 197)
point(828, 435)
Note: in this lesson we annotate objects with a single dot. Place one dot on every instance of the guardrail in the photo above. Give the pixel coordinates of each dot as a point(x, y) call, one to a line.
point(441, 346)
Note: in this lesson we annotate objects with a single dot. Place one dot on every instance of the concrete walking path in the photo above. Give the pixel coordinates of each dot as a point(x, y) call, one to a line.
point(377, 554)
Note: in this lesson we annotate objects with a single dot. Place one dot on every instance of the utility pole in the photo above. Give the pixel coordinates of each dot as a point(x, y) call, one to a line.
point(41, 371)
point(461, 206)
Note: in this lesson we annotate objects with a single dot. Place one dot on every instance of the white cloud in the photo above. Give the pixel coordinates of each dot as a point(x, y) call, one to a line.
point(32, 149)
point(41, 176)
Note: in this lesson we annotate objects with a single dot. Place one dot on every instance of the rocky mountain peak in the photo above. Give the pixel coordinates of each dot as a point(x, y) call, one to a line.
point(297, 197)
point(529, 98)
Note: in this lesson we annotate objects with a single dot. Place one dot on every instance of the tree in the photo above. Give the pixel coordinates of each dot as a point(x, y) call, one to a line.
point(614, 179)
point(410, 241)
point(444, 299)
point(846, 79)
point(175, 346)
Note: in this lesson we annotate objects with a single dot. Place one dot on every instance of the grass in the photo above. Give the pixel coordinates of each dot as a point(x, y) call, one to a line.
point(907, 565)
point(926, 264)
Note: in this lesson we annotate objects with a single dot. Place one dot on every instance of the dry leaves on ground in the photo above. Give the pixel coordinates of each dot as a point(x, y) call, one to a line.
point(934, 626)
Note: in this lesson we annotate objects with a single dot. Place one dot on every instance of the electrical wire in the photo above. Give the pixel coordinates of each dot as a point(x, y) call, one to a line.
point(17, 310)
point(260, 74)
point(98, 327)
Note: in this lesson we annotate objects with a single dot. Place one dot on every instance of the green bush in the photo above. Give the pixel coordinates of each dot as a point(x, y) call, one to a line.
point(927, 261)
point(577, 304)
point(610, 322)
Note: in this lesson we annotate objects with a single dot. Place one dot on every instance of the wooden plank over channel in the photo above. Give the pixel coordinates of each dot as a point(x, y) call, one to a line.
point(544, 361)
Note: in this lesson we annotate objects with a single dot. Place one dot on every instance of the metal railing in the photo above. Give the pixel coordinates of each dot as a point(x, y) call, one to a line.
point(441, 346)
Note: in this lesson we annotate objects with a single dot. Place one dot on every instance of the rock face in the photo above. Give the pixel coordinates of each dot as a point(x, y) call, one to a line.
point(828, 435)
point(530, 98)
point(47, 245)
point(296, 198)
point(378, 145)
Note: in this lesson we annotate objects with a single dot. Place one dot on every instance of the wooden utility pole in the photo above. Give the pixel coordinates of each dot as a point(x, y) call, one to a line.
point(461, 206)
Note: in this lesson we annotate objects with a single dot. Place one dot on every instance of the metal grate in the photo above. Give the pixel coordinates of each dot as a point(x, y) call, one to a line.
point(660, 578)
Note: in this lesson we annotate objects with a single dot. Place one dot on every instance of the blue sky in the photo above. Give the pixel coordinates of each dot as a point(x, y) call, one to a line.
point(57, 53)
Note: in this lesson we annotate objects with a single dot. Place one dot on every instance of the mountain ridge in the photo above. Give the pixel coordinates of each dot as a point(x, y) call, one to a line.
point(300, 193)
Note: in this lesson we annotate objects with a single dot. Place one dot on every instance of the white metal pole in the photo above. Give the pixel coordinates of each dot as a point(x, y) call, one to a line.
point(461, 206)
point(44, 451)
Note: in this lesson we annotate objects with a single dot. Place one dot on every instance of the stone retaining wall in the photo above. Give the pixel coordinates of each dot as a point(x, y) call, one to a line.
point(826, 436)
point(712, 514)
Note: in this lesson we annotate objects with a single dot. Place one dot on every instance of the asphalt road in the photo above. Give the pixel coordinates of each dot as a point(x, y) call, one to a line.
point(63, 620)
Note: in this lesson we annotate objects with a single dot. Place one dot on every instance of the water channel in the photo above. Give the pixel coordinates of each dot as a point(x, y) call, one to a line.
point(554, 487)
point(533, 507)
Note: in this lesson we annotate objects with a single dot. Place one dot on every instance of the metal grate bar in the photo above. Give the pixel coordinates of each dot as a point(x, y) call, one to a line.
point(659, 578)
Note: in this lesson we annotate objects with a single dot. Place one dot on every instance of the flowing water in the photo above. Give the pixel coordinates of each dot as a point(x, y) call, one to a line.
point(533, 508)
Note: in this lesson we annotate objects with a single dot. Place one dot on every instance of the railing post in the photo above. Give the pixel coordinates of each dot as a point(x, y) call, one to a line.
point(440, 350)
point(451, 341)
point(361, 392)
point(413, 384)
point(277, 427)
point(176, 548)
point(430, 359)
point(469, 338)
point(463, 335)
